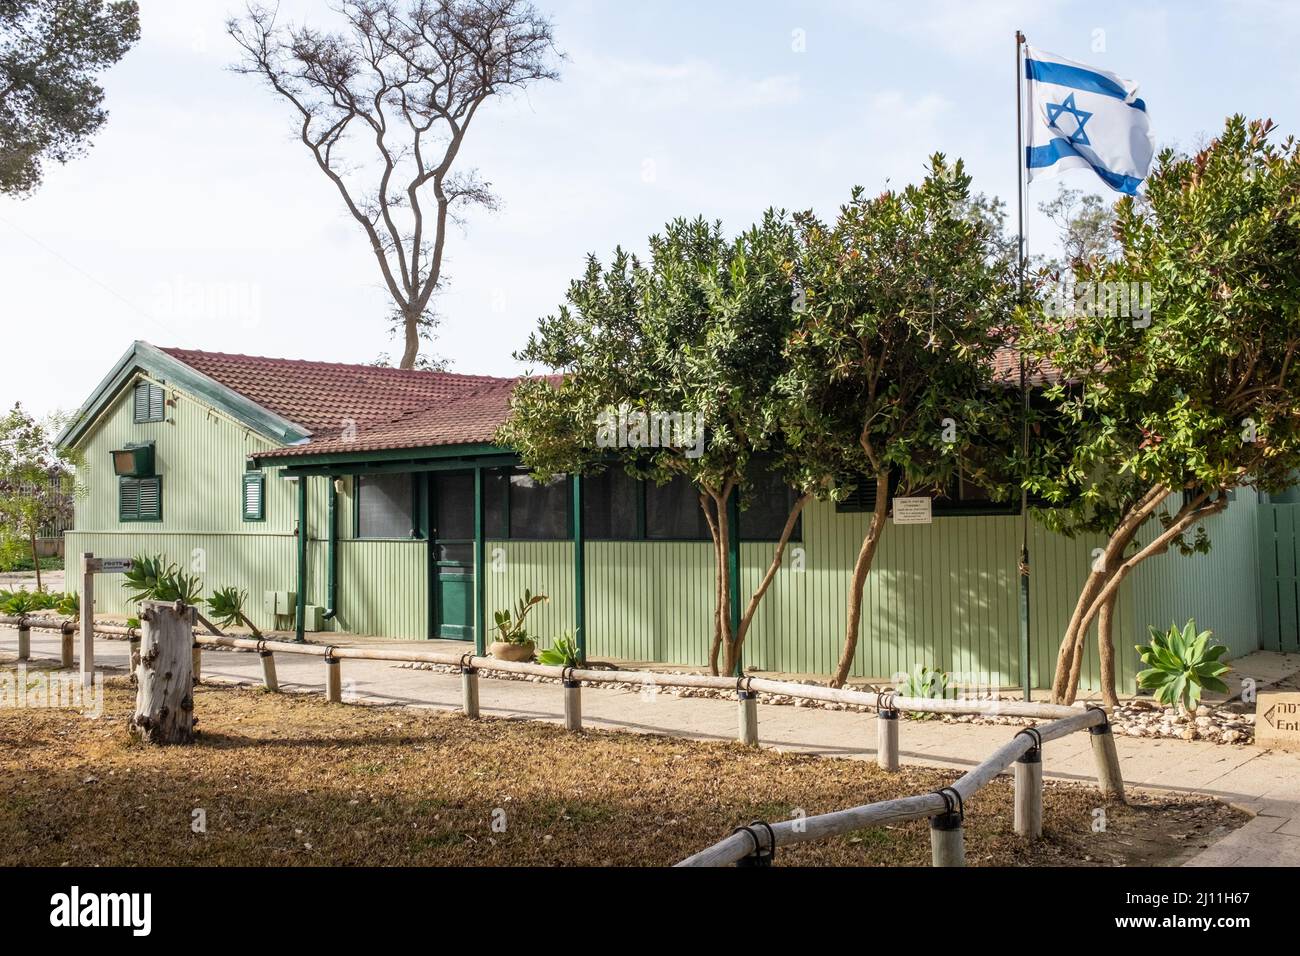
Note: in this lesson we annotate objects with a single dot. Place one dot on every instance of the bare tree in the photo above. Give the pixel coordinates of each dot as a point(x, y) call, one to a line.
point(400, 85)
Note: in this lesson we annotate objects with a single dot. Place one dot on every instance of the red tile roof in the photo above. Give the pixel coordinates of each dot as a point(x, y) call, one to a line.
point(472, 417)
point(324, 396)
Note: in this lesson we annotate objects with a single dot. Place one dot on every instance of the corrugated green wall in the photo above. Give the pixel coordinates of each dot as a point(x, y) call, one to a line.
point(943, 595)
point(201, 456)
point(543, 567)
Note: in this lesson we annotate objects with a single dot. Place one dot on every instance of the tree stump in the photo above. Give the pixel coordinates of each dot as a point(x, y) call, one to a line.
point(164, 705)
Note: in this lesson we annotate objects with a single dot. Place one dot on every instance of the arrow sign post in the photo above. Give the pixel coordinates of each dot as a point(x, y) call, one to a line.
point(1277, 724)
point(90, 566)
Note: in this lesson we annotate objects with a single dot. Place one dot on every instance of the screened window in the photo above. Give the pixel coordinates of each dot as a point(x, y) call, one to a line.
point(496, 498)
point(254, 497)
point(148, 403)
point(610, 506)
point(767, 505)
point(539, 510)
point(385, 506)
point(673, 512)
point(139, 499)
point(454, 507)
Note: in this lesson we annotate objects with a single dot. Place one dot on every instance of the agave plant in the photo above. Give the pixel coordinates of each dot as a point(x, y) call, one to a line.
point(1181, 664)
point(70, 605)
point(22, 602)
point(563, 652)
point(510, 624)
point(926, 683)
point(141, 581)
point(227, 606)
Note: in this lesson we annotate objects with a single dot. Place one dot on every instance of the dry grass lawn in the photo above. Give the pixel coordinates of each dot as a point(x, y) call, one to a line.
point(293, 780)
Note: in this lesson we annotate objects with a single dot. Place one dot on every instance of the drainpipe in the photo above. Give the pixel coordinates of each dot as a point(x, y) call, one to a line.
point(300, 619)
point(332, 577)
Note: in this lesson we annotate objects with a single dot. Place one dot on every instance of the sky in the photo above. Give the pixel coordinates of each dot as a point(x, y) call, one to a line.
point(197, 220)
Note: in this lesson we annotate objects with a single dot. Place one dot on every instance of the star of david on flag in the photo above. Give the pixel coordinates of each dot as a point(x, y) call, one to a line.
point(1081, 117)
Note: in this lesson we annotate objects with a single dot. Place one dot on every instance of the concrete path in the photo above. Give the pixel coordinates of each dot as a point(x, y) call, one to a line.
point(1266, 783)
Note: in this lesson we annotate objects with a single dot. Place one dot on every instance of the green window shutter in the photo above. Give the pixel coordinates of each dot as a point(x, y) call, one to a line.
point(128, 499)
point(254, 497)
point(139, 499)
point(151, 499)
point(148, 403)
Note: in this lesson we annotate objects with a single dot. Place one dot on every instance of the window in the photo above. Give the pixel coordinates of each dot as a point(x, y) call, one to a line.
point(496, 501)
point(454, 507)
point(673, 512)
point(610, 506)
point(139, 499)
point(385, 506)
point(148, 403)
point(539, 511)
point(766, 506)
point(254, 496)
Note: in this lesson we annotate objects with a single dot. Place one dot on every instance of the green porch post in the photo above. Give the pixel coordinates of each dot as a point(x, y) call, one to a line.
point(300, 619)
point(480, 584)
point(733, 569)
point(579, 572)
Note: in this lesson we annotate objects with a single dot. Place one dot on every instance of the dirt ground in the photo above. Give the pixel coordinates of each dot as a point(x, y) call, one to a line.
point(291, 780)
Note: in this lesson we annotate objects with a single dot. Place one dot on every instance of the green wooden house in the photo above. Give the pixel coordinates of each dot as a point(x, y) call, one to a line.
point(373, 501)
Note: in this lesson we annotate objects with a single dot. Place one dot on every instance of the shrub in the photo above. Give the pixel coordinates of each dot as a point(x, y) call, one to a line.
point(1181, 664)
point(563, 652)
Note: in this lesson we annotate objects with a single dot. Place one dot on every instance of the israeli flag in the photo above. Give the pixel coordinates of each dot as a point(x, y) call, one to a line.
point(1080, 117)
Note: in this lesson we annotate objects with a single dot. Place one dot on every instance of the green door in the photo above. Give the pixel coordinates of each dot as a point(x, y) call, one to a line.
point(452, 554)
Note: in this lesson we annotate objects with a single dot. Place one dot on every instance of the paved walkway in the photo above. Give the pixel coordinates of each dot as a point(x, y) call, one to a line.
point(1266, 783)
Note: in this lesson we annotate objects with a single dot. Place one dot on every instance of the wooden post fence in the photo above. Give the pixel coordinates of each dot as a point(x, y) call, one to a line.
point(469, 692)
point(748, 718)
point(1028, 814)
point(1106, 757)
point(333, 680)
point(24, 639)
point(573, 706)
point(887, 739)
point(269, 680)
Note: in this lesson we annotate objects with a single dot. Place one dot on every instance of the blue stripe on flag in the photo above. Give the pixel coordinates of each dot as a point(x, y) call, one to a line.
point(1062, 74)
point(1037, 157)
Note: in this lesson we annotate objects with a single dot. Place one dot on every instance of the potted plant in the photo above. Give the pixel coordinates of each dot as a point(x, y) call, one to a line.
point(513, 642)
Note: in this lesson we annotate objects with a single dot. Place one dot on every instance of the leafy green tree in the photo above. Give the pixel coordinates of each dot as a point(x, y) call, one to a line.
point(36, 484)
point(51, 52)
point(1165, 410)
point(908, 299)
point(698, 331)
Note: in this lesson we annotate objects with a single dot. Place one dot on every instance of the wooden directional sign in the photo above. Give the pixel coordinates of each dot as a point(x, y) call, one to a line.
point(108, 565)
point(1277, 720)
point(912, 511)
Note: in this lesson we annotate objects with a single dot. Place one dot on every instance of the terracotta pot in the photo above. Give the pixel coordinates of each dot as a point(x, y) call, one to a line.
point(504, 651)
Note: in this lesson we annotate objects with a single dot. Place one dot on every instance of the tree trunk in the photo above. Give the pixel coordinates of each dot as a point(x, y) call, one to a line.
point(716, 645)
point(861, 567)
point(1106, 650)
point(778, 553)
point(164, 705)
point(411, 331)
point(36, 561)
point(724, 573)
point(1069, 659)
